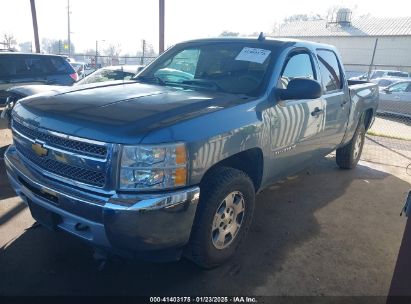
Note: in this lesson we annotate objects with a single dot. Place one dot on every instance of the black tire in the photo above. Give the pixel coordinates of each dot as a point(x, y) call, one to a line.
point(214, 190)
point(348, 156)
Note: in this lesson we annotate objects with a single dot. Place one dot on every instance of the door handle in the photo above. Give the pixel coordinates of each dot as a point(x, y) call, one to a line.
point(317, 111)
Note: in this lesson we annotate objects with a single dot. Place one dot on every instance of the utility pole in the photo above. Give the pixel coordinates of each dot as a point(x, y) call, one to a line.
point(372, 60)
point(35, 27)
point(95, 60)
point(68, 28)
point(161, 26)
point(144, 52)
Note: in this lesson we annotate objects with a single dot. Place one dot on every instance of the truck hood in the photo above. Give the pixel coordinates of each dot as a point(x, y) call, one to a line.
point(119, 112)
point(33, 89)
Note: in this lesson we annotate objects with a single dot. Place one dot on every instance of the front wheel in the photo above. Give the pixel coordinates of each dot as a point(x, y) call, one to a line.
point(348, 156)
point(223, 217)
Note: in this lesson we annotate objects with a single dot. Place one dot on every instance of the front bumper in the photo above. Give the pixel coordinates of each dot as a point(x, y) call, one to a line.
point(132, 224)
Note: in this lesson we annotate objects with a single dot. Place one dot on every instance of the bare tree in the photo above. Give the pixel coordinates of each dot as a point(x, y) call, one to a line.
point(332, 12)
point(229, 34)
point(302, 17)
point(9, 41)
point(54, 46)
point(113, 50)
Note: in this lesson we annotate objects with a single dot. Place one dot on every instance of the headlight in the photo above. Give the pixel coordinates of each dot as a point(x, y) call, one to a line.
point(153, 167)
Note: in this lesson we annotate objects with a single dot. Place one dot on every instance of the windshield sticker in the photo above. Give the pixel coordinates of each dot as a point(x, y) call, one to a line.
point(253, 55)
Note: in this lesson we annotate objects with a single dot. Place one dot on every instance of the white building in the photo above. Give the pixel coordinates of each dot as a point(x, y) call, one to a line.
point(356, 39)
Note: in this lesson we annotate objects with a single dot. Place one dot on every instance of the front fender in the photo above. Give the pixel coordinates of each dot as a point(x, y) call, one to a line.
point(216, 136)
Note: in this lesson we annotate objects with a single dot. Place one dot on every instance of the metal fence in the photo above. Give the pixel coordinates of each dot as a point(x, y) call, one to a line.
point(388, 141)
point(355, 69)
point(103, 61)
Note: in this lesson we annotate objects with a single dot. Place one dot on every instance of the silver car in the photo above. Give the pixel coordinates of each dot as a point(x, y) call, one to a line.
point(396, 99)
point(387, 81)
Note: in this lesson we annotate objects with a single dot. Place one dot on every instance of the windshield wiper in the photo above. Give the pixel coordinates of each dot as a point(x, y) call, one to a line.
point(151, 79)
point(203, 83)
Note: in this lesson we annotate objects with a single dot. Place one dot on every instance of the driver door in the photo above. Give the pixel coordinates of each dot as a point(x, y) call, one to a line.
point(296, 125)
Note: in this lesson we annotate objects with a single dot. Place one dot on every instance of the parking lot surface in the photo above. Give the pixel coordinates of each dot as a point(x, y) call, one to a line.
point(323, 232)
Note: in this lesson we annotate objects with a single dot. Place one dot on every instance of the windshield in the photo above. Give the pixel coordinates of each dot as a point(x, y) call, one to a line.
point(384, 82)
point(106, 75)
point(376, 74)
point(228, 67)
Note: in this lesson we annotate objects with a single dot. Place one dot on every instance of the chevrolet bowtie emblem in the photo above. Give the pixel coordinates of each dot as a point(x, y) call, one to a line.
point(39, 149)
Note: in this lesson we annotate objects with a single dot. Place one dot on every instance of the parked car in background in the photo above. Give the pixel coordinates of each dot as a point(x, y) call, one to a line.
point(382, 73)
point(387, 81)
point(396, 99)
point(110, 73)
point(80, 68)
point(117, 72)
point(171, 163)
point(22, 69)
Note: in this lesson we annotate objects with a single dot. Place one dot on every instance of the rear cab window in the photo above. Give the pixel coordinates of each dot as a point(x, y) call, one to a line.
point(330, 69)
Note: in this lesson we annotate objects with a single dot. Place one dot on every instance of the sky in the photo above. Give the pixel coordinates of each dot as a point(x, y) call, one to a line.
point(127, 22)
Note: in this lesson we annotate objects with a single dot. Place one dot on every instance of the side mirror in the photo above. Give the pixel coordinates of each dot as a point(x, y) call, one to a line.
point(301, 88)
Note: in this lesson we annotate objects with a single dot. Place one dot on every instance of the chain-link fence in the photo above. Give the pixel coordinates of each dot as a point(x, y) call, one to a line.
point(389, 139)
point(92, 62)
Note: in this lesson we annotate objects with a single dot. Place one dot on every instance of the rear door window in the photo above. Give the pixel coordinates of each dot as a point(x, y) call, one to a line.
point(22, 66)
point(330, 71)
point(4, 66)
point(26, 66)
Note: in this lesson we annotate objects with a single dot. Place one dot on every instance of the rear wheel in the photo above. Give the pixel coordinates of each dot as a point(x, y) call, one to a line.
point(223, 217)
point(348, 156)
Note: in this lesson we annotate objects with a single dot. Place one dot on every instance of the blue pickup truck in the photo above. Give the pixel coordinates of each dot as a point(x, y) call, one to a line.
point(169, 163)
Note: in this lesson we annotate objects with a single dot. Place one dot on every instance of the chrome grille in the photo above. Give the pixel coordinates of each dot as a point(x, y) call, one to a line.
point(79, 174)
point(71, 145)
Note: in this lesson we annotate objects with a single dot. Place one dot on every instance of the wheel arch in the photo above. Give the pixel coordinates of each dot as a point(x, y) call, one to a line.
point(250, 161)
point(367, 117)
